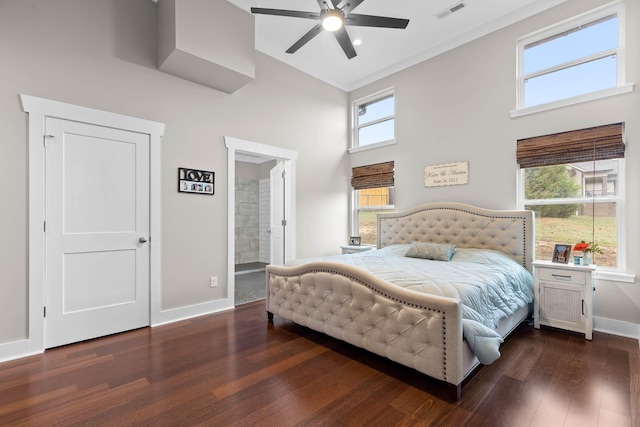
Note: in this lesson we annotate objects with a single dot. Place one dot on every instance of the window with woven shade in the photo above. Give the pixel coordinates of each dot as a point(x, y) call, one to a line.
point(373, 193)
point(574, 181)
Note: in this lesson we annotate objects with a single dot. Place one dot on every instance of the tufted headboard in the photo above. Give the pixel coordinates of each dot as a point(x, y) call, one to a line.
point(466, 226)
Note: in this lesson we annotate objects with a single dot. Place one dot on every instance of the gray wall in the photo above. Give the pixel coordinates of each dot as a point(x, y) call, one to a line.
point(102, 54)
point(456, 106)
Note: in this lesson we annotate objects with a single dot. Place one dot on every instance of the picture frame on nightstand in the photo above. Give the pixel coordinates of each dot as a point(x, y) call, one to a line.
point(354, 241)
point(561, 253)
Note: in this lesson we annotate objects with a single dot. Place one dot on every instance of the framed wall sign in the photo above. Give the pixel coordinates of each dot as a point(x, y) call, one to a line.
point(196, 181)
point(446, 174)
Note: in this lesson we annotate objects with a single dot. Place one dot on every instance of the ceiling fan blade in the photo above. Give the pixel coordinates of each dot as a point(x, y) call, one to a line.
point(350, 5)
point(281, 12)
point(304, 39)
point(357, 20)
point(345, 42)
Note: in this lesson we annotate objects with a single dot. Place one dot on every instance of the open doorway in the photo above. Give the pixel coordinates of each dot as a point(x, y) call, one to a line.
point(252, 225)
point(261, 219)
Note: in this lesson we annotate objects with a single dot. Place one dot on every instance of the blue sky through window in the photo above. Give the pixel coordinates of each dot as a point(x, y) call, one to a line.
point(580, 79)
point(383, 131)
point(586, 41)
point(572, 45)
point(375, 110)
point(372, 112)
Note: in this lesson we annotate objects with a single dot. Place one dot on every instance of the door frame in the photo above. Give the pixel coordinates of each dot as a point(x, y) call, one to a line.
point(240, 146)
point(38, 109)
point(277, 197)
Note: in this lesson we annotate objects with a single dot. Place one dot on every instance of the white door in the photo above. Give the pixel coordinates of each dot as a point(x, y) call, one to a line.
point(277, 213)
point(97, 231)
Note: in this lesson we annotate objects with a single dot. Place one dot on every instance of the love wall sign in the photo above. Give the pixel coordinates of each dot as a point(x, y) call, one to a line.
point(195, 181)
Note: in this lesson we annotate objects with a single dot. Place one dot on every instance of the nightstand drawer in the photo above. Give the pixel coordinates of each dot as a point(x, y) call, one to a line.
point(563, 276)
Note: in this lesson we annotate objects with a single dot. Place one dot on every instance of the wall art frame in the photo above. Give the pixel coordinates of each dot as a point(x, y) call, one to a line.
point(196, 181)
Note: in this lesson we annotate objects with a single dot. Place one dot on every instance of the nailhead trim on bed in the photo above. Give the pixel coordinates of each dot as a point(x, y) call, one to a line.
point(398, 329)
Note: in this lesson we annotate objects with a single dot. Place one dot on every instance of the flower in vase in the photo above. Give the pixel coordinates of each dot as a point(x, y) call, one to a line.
point(588, 247)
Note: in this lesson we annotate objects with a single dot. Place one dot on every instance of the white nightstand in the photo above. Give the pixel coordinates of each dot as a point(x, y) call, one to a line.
point(349, 249)
point(564, 296)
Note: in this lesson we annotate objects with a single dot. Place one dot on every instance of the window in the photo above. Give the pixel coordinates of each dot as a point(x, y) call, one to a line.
point(374, 120)
point(369, 203)
point(373, 193)
point(580, 56)
point(574, 183)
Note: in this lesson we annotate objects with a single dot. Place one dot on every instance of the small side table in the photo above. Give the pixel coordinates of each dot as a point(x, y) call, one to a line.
point(351, 249)
point(564, 296)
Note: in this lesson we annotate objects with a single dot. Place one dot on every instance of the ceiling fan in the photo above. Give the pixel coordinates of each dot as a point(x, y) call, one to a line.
point(334, 16)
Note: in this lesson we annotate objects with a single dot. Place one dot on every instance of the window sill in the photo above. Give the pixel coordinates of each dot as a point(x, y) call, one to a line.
point(372, 146)
point(606, 93)
point(614, 276)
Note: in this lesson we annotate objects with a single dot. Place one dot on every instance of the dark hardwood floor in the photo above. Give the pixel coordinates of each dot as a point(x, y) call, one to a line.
point(234, 368)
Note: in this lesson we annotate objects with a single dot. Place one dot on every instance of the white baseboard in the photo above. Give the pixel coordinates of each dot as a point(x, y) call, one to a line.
point(184, 313)
point(17, 349)
point(23, 348)
point(617, 327)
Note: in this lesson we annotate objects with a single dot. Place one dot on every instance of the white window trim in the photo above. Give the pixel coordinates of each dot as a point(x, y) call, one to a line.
point(618, 273)
point(592, 96)
point(613, 8)
point(372, 146)
point(355, 147)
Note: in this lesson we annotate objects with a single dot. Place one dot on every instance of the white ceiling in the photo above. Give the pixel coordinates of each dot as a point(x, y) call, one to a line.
point(383, 51)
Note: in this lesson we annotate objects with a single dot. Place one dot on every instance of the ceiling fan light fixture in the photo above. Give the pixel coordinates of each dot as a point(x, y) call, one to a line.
point(332, 21)
point(334, 15)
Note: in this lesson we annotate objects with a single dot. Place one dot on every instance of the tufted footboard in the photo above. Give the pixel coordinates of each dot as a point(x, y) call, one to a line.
point(420, 331)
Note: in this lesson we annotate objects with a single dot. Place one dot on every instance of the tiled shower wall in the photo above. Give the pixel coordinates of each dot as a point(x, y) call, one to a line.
point(247, 221)
point(264, 194)
point(252, 220)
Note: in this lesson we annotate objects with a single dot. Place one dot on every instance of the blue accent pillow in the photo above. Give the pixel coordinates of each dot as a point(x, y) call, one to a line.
point(433, 251)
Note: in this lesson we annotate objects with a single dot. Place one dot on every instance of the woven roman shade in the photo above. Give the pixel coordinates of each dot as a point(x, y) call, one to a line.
point(373, 176)
point(597, 143)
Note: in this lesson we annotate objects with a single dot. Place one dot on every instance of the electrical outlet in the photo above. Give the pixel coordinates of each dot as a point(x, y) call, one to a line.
point(214, 281)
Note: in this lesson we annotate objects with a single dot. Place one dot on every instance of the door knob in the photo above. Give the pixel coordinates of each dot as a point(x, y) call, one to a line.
point(142, 240)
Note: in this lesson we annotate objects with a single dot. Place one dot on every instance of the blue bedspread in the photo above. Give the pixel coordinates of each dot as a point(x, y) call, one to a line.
point(489, 284)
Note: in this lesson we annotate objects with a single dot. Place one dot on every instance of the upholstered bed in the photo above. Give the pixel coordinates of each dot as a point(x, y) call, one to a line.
point(350, 299)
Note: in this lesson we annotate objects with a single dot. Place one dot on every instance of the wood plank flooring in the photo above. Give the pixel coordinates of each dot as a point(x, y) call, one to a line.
point(235, 369)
